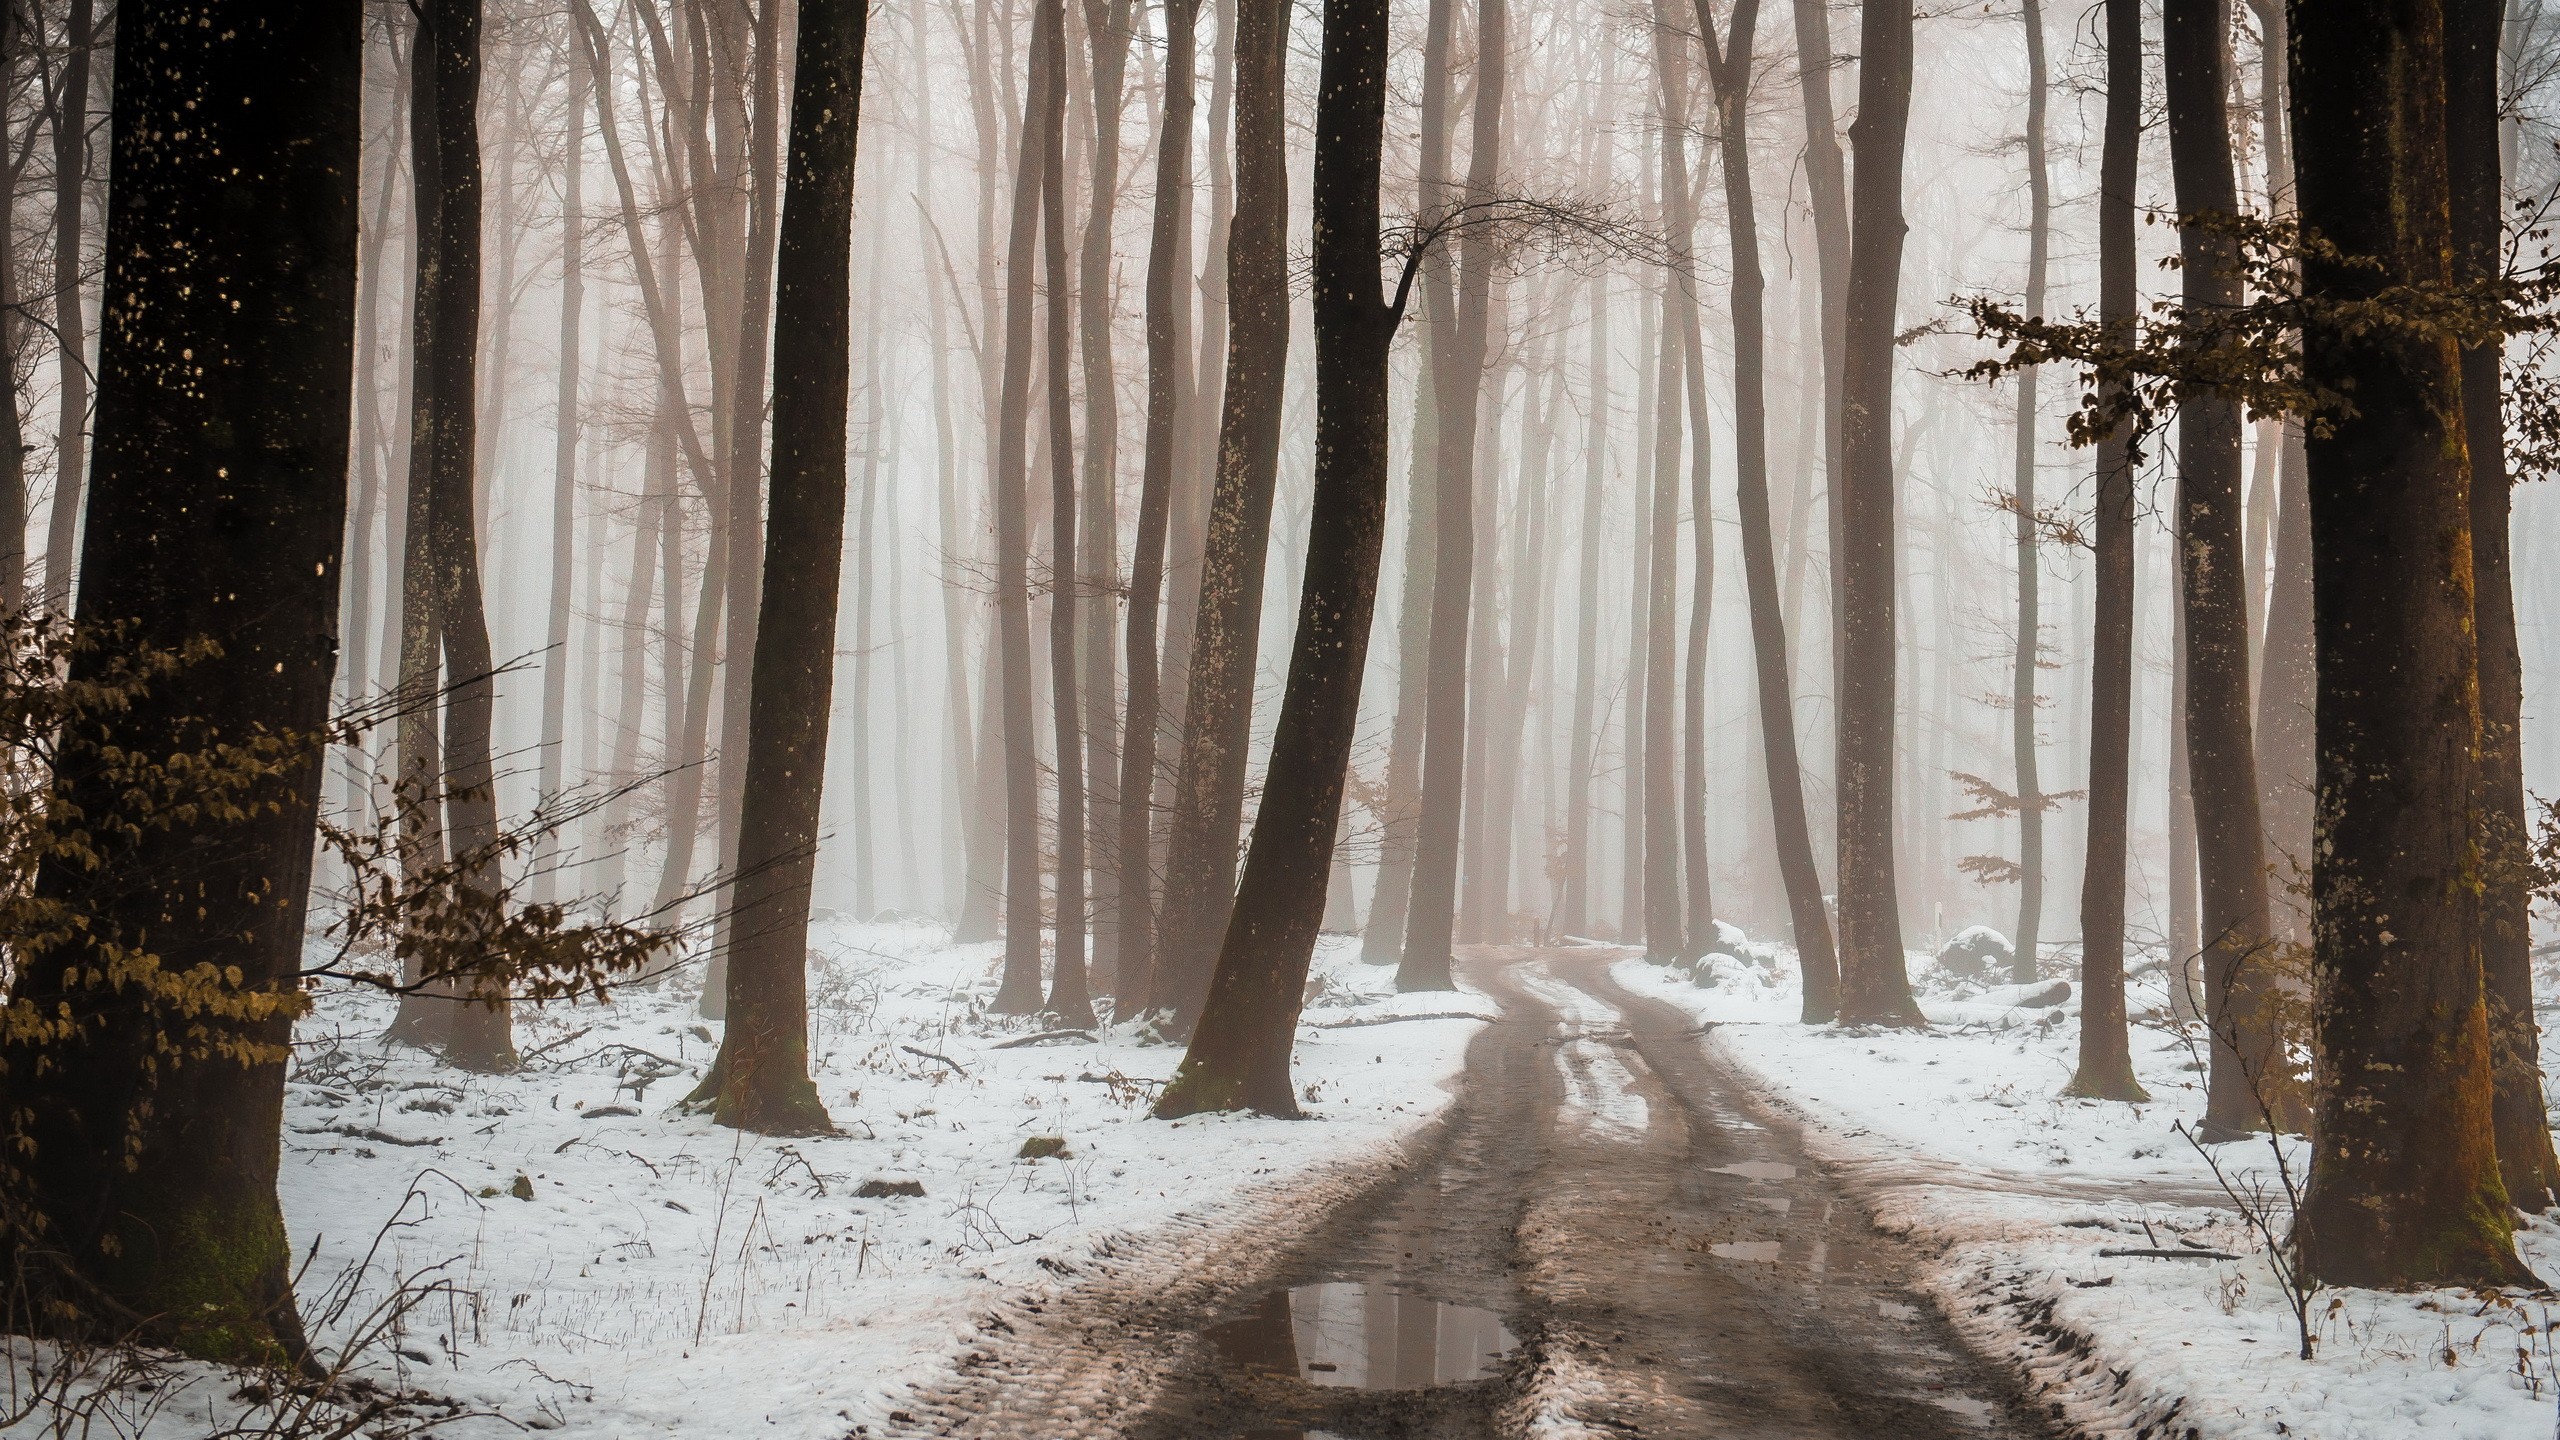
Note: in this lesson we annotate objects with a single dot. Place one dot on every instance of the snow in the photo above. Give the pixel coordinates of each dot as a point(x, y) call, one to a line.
point(668, 1276)
point(1958, 1137)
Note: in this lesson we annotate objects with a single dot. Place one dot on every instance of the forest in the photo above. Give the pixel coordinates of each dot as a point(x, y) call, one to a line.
point(733, 712)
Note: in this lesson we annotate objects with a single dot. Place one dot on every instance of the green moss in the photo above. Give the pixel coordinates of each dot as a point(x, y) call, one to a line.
point(213, 1275)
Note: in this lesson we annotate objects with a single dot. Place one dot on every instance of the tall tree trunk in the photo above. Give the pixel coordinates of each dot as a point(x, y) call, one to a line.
point(1108, 24)
point(1664, 935)
point(1239, 1054)
point(424, 1017)
point(1826, 180)
point(1382, 942)
point(2023, 700)
point(764, 1054)
point(1168, 384)
point(219, 507)
point(1069, 992)
point(2241, 974)
point(13, 435)
point(478, 1037)
point(564, 483)
point(1573, 905)
point(1425, 962)
point(1639, 553)
point(2287, 750)
point(2522, 1122)
point(71, 357)
point(1874, 986)
point(1729, 70)
point(2106, 1056)
point(1698, 921)
point(1019, 993)
point(2404, 1187)
point(1208, 796)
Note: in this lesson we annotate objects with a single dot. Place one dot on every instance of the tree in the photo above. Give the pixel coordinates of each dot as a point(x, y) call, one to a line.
point(1108, 28)
point(564, 469)
point(2241, 973)
point(2031, 801)
point(1168, 382)
point(1068, 994)
point(2525, 1158)
point(1019, 993)
point(216, 518)
point(70, 117)
point(2106, 1058)
point(2404, 1186)
point(477, 1034)
point(1665, 935)
point(1431, 920)
point(1874, 987)
point(1729, 71)
point(764, 1053)
point(1239, 1052)
point(1208, 794)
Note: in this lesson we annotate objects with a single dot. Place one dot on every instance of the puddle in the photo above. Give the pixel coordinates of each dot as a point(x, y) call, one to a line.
point(1763, 1252)
point(1756, 1170)
point(1896, 1310)
point(1778, 1204)
point(1366, 1337)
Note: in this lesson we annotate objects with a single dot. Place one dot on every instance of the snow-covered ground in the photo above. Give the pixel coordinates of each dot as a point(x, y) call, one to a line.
point(1959, 1137)
point(610, 1267)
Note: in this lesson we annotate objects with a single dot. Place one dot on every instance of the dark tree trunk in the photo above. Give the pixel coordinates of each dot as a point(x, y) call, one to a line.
point(2241, 971)
point(1168, 383)
point(1729, 70)
point(1874, 986)
point(477, 1037)
point(1826, 181)
point(71, 359)
point(2404, 1187)
point(1208, 794)
point(13, 435)
point(564, 484)
point(425, 1016)
point(1070, 997)
point(2523, 1125)
point(1698, 918)
point(219, 507)
point(764, 1052)
point(2106, 1055)
point(1019, 994)
point(2023, 700)
point(1433, 915)
point(1239, 1054)
point(1664, 937)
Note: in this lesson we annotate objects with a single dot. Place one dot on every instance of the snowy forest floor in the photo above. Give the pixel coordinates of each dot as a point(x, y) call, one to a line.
point(1634, 1166)
point(589, 1261)
point(1958, 1137)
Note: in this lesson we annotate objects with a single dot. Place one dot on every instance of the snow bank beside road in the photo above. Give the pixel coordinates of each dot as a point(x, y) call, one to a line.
point(617, 1269)
point(1958, 1137)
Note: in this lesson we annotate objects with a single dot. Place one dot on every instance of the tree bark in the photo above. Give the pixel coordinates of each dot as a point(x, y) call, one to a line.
point(71, 358)
point(1019, 993)
point(1874, 986)
point(1573, 904)
point(1208, 796)
point(1729, 72)
point(1107, 30)
point(478, 1035)
point(1433, 915)
point(564, 484)
point(2525, 1159)
point(219, 506)
point(764, 1052)
point(1239, 1053)
point(2023, 699)
point(2404, 1187)
point(2106, 1055)
point(2241, 971)
point(1168, 384)
point(1069, 993)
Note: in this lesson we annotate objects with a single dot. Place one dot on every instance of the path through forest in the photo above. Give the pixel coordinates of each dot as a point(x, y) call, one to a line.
point(1609, 1236)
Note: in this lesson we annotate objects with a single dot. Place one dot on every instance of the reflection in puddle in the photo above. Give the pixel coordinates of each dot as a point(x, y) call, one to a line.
point(1896, 1310)
point(1366, 1337)
point(1757, 1170)
point(1763, 1252)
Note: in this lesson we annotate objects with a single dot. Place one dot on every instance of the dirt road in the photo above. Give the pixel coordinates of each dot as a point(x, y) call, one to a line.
point(1608, 1238)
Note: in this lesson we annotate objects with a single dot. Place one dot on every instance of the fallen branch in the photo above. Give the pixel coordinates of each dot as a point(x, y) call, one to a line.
point(1359, 1020)
point(1043, 1038)
point(2147, 1253)
point(929, 1055)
